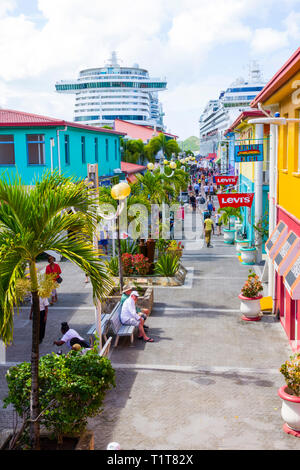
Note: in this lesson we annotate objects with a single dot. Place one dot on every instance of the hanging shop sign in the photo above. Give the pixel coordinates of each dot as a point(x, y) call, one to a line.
point(291, 278)
point(284, 256)
point(224, 180)
point(276, 238)
point(248, 153)
point(235, 199)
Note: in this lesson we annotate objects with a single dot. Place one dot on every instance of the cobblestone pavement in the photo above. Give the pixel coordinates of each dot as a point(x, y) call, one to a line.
point(209, 381)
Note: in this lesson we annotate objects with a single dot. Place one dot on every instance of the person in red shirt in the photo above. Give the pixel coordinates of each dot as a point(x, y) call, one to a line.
point(53, 268)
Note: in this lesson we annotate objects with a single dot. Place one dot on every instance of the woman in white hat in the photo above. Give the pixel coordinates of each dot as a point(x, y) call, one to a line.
point(129, 316)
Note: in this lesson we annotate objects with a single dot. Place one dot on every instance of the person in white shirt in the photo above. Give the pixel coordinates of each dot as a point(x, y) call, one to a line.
point(206, 189)
point(218, 222)
point(68, 334)
point(129, 316)
point(43, 316)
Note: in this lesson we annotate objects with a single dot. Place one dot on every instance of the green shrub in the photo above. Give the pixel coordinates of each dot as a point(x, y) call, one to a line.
point(167, 265)
point(113, 266)
point(72, 388)
point(291, 372)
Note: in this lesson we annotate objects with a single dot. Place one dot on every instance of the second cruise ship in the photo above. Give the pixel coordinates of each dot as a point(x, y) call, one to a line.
point(219, 114)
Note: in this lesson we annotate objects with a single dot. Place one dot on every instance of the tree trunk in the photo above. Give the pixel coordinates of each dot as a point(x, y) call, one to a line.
point(34, 398)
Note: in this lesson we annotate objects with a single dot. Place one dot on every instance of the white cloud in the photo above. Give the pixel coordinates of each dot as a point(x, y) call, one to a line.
point(170, 38)
point(268, 40)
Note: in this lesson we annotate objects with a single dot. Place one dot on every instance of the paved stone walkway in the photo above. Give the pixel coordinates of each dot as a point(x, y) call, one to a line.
point(209, 381)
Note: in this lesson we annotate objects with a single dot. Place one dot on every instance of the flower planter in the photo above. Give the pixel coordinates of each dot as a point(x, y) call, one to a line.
point(248, 255)
point(250, 308)
point(145, 299)
point(241, 243)
point(290, 411)
point(229, 235)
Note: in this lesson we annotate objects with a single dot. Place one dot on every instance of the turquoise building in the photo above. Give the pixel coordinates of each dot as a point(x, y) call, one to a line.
point(31, 144)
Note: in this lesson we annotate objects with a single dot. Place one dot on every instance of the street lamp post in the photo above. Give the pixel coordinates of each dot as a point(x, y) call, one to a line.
point(120, 192)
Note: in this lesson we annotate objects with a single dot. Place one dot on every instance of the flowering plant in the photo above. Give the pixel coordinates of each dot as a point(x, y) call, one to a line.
point(175, 248)
point(291, 372)
point(135, 264)
point(140, 264)
point(127, 263)
point(252, 286)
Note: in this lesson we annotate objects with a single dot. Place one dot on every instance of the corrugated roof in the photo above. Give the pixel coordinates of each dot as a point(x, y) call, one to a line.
point(131, 168)
point(12, 118)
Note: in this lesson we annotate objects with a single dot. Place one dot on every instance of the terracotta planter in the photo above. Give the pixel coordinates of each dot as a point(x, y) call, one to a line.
point(250, 308)
point(290, 411)
point(229, 235)
point(248, 255)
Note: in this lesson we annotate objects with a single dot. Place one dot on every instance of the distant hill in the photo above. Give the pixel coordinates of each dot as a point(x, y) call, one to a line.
point(191, 143)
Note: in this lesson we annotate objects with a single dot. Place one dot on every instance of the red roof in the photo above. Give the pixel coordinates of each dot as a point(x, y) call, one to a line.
point(131, 168)
point(138, 131)
point(11, 118)
point(244, 115)
point(290, 68)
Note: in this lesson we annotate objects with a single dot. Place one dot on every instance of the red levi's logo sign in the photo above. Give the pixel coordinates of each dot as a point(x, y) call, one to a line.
point(226, 180)
point(235, 199)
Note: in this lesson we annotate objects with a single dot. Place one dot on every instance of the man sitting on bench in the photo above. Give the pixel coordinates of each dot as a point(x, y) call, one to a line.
point(128, 289)
point(129, 316)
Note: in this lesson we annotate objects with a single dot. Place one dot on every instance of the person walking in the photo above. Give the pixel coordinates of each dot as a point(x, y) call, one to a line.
point(218, 222)
point(206, 189)
point(210, 207)
point(43, 316)
point(50, 269)
point(208, 230)
point(193, 202)
point(196, 188)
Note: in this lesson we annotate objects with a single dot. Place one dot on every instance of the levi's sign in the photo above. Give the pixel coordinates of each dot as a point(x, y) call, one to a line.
point(235, 199)
point(248, 153)
point(224, 180)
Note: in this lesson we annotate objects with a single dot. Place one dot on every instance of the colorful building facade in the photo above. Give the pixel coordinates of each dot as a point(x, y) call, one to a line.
point(242, 132)
point(31, 144)
point(281, 96)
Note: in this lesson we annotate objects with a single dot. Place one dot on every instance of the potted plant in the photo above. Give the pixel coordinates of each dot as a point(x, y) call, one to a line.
point(250, 298)
point(290, 395)
point(175, 248)
point(227, 213)
point(167, 265)
point(248, 255)
point(241, 243)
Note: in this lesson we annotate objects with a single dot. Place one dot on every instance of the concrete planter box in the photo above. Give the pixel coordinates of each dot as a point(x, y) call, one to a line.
point(85, 441)
point(290, 411)
point(229, 235)
point(152, 281)
point(248, 255)
point(144, 301)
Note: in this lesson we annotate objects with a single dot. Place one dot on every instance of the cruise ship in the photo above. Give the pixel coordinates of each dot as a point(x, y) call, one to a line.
point(114, 92)
point(219, 114)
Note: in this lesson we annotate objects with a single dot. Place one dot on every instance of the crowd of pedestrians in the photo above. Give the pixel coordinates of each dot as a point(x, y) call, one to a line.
point(202, 190)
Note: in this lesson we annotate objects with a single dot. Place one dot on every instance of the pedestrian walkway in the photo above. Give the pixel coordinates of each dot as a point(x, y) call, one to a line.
point(209, 381)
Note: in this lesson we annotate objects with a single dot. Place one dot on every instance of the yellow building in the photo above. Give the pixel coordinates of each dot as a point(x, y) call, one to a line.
point(281, 96)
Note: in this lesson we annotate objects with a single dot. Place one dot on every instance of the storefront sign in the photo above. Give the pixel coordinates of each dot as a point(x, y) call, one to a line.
point(235, 199)
point(248, 153)
point(224, 180)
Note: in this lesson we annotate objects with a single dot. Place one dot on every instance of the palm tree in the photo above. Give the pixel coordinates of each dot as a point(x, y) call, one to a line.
point(168, 147)
point(32, 221)
point(153, 186)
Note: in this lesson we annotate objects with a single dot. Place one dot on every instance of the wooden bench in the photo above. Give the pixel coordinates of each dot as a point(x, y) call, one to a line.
point(105, 350)
point(117, 327)
point(104, 327)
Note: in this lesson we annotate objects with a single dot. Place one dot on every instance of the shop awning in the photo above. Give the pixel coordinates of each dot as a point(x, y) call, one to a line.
point(291, 278)
point(287, 251)
point(276, 238)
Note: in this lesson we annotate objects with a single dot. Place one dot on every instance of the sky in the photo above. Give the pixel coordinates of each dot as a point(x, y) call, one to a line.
point(199, 46)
